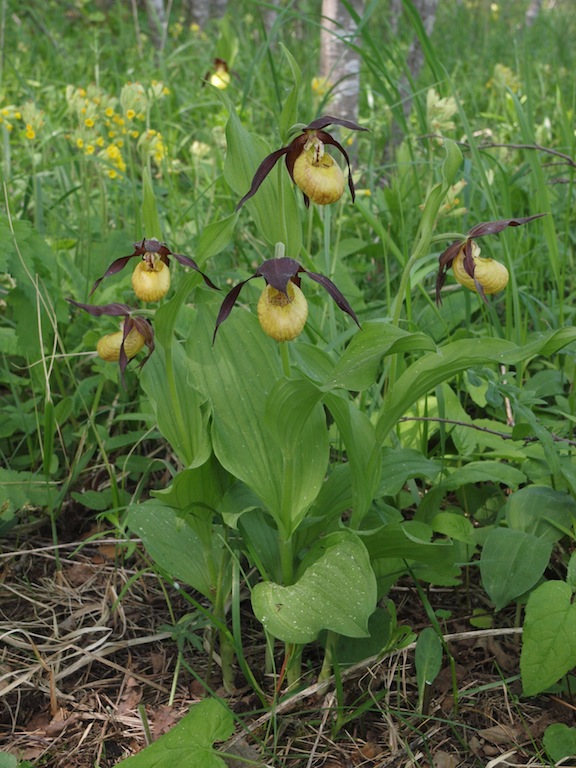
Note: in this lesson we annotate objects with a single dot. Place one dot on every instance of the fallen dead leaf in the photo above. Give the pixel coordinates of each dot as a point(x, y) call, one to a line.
point(445, 760)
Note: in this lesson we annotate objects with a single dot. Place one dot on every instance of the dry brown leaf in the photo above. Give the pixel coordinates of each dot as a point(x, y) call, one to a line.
point(445, 760)
point(78, 574)
point(130, 698)
point(371, 750)
point(163, 719)
point(502, 734)
point(60, 723)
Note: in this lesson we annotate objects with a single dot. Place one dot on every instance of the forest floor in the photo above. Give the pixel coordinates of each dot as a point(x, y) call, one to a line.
point(90, 670)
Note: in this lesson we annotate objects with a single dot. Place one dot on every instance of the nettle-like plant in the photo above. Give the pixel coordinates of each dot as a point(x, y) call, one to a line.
point(285, 475)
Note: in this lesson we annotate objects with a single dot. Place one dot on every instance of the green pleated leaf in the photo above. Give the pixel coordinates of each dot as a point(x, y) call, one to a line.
point(238, 374)
point(336, 592)
point(512, 562)
point(548, 649)
point(182, 413)
point(180, 548)
point(289, 114)
point(363, 453)
point(214, 238)
point(453, 358)
point(484, 472)
point(288, 408)
point(410, 541)
point(358, 366)
point(274, 207)
point(400, 465)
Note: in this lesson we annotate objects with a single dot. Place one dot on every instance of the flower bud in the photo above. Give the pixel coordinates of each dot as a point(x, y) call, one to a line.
point(318, 176)
point(282, 315)
point(108, 346)
point(151, 280)
point(492, 275)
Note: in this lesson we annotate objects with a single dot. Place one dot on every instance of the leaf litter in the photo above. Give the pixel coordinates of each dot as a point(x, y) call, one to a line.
point(87, 669)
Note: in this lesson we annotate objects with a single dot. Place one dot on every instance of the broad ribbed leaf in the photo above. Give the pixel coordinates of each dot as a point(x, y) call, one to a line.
point(337, 591)
point(358, 366)
point(179, 547)
point(274, 207)
point(182, 414)
point(238, 374)
point(432, 369)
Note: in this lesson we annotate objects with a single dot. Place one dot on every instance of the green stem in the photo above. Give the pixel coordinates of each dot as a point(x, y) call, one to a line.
point(328, 266)
point(328, 661)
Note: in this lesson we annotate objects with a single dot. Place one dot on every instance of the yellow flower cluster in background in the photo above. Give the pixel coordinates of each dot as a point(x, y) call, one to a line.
point(106, 124)
point(27, 119)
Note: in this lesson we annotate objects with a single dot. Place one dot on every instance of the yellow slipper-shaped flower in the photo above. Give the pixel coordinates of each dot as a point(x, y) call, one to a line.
point(491, 275)
point(151, 280)
point(282, 315)
point(320, 178)
point(108, 346)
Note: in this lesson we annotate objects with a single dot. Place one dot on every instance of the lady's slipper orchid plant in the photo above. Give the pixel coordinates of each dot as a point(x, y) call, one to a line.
point(151, 278)
point(485, 276)
point(282, 308)
point(316, 174)
point(122, 345)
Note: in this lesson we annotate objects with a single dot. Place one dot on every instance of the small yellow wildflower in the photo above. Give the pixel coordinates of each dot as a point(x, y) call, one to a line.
point(109, 111)
point(30, 132)
point(80, 142)
point(320, 85)
point(130, 114)
point(100, 141)
point(89, 122)
point(90, 149)
point(112, 174)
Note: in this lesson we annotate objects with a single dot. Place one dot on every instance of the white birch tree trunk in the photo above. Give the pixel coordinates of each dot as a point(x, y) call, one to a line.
point(339, 63)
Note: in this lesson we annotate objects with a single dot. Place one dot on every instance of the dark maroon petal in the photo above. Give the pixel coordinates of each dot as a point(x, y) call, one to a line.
point(447, 257)
point(228, 303)
point(145, 328)
point(188, 262)
point(444, 263)
point(97, 310)
point(493, 227)
point(468, 261)
point(261, 172)
point(123, 359)
point(327, 139)
point(338, 297)
point(322, 122)
point(115, 267)
point(294, 151)
point(277, 272)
